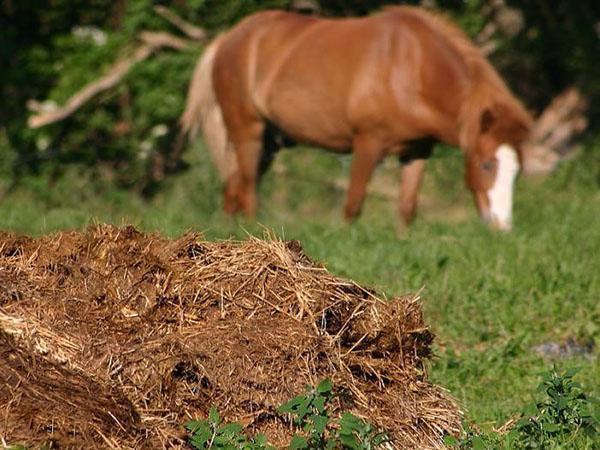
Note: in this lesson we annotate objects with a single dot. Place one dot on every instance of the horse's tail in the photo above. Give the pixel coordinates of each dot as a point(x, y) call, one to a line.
point(202, 112)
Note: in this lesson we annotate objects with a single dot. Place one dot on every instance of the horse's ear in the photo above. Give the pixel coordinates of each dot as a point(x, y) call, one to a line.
point(486, 120)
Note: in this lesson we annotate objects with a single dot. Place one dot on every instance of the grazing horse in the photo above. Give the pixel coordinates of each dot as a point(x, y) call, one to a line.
point(394, 82)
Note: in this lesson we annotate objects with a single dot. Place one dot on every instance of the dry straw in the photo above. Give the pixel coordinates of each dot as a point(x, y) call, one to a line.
point(113, 338)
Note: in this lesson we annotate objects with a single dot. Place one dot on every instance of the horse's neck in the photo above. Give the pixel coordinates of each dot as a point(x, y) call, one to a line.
point(480, 97)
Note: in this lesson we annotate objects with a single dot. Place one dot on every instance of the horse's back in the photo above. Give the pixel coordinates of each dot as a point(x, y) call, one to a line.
point(402, 71)
point(315, 78)
point(309, 81)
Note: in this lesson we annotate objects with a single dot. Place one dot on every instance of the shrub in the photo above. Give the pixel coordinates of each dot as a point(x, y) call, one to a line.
point(565, 414)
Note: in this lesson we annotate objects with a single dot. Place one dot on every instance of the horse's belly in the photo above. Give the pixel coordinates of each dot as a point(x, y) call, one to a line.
point(310, 122)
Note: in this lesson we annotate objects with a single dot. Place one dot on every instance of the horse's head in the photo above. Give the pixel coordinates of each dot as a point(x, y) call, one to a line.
point(493, 162)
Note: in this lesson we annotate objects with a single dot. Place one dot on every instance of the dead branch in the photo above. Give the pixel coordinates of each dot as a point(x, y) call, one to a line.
point(187, 28)
point(151, 43)
point(306, 7)
point(567, 108)
point(162, 39)
point(501, 20)
point(553, 133)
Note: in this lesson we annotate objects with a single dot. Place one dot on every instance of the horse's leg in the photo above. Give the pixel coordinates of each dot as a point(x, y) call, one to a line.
point(247, 143)
point(368, 151)
point(411, 172)
point(230, 193)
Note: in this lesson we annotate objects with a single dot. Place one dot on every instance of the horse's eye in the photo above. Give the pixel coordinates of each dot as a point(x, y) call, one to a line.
point(488, 165)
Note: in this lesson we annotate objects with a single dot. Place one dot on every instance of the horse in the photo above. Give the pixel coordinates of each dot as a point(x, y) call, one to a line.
point(395, 82)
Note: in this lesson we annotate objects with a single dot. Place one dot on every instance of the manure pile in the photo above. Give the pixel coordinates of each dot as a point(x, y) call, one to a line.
point(112, 338)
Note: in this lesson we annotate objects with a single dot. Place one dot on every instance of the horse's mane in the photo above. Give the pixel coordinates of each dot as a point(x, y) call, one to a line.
point(488, 88)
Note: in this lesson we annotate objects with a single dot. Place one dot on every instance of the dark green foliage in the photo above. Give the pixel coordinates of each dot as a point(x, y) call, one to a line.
point(58, 50)
point(309, 412)
point(558, 47)
point(212, 433)
point(217, 14)
point(566, 415)
point(566, 410)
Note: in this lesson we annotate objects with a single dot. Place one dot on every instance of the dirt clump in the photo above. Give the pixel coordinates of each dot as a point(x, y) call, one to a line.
point(114, 338)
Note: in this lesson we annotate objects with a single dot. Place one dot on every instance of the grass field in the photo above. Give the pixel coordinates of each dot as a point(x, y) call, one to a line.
point(489, 297)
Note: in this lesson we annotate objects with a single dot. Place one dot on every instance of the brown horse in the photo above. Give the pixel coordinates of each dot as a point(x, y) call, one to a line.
point(395, 82)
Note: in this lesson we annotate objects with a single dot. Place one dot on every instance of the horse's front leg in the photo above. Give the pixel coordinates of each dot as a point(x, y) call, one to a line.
point(413, 162)
point(368, 151)
point(411, 173)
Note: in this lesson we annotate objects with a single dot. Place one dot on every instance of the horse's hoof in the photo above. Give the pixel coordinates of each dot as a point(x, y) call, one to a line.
point(402, 228)
point(351, 214)
point(350, 218)
point(231, 208)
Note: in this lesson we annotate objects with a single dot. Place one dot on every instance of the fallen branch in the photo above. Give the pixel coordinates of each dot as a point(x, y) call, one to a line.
point(561, 119)
point(553, 133)
point(151, 43)
point(501, 20)
point(187, 28)
point(161, 39)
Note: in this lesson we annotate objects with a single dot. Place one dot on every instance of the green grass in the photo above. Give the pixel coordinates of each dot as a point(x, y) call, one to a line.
point(488, 296)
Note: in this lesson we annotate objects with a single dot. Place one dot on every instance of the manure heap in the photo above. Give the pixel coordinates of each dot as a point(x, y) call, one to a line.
point(114, 338)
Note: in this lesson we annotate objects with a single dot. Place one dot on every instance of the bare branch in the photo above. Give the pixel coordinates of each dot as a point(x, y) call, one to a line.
point(162, 39)
point(566, 107)
point(489, 47)
point(151, 43)
point(187, 28)
point(501, 20)
point(552, 136)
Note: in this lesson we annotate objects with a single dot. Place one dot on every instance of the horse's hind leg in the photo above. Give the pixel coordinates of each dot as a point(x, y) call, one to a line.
point(368, 151)
point(411, 172)
point(247, 142)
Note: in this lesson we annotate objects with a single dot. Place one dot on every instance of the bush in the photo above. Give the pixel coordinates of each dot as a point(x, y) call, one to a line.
point(566, 414)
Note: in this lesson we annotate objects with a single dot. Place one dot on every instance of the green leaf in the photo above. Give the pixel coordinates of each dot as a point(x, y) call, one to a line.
point(220, 441)
point(550, 427)
point(194, 425)
point(325, 386)
point(350, 421)
point(295, 405)
point(231, 428)
point(213, 416)
point(562, 403)
point(349, 441)
point(199, 442)
point(319, 423)
point(298, 442)
point(319, 404)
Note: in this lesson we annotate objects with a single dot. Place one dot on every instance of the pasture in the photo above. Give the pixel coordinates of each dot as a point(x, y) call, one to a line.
point(489, 297)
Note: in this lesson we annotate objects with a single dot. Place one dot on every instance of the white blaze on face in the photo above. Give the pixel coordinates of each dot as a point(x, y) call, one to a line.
point(501, 193)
